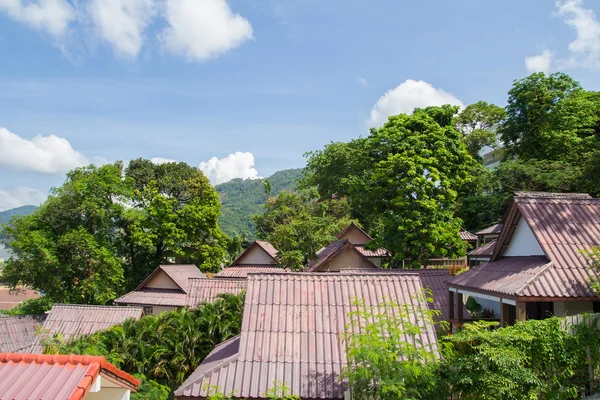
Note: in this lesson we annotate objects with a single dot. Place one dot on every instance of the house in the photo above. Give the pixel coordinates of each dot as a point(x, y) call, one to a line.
point(340, 255)
point(293, 334)
point(71, 321)
point(260, 256)
point(488, 234)
point(207, 289)
point(165, 289)
point(359, 238)
point(18, 332)
point(481, 254)
point(58, 377)
point(538, 267)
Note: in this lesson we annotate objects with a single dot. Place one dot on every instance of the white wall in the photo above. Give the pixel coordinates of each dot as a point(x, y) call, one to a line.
point(161, 281)
point(523, 242)
point(355, 236)
point(256, 256)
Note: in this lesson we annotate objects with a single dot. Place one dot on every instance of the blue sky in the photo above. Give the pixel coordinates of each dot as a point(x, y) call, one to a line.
point(253, 85)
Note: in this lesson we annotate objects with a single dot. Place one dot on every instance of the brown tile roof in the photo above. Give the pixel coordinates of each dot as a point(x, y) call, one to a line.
point(490, 230)
point(292, 331)
point(486, 250)
point(56, 377)
point(242, 270)
point(153, 297)
point(73, 320)
point(179, 273)
point(327, 253)
point(468, 236)
point(208, 289)
point(18, 332)
point(564, 226)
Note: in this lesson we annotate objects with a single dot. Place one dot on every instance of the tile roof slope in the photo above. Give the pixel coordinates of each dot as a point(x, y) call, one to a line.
point(292, 332)
point(55, 377)
point(380, 252)
point(155, 297)
point(490, 230)
point(18, 332)
point(181, 273)
point(466, 235)
point(546, 195)
point(73, 321)
point(485, 250)
point(268, 247)
point(242, 270)
point(208, 289)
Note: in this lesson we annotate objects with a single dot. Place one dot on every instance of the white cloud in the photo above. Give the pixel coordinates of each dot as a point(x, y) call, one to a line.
point(46, 154)
point(52, 16)
point(584, 51)
point(364, 83)
point(122, 22)
point(406, 97)
point(200, 30)
point(20, 196)
point(237, 165)
point(161, 160)
point(539, 63)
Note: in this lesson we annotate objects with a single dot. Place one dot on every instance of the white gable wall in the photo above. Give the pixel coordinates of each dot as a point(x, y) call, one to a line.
point(256, 255)
point(161, 281)
point(523, 242)
point(355, 236)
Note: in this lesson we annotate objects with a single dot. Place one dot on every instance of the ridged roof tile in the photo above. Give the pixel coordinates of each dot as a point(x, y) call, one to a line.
point(208, 289)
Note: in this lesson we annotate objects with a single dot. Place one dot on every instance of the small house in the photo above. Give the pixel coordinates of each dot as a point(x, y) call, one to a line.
point(340, 255)
point(359, 239)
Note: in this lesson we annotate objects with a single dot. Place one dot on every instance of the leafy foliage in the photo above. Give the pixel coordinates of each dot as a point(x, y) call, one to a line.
point(478, 122)
point(150, 390)
point(242, 199)
point(165, 347)
point(106, 229)
point(298, 225)
point(30, 307)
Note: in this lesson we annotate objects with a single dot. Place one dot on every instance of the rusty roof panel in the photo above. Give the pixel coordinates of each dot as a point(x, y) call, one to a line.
point(208, 289)
point(153, 297)
point(18, 332)
point(242, 270)
point(292, 332)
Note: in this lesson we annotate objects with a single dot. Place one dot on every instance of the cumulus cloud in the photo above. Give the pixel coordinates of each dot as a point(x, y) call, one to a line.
point(45, 154)
point(200, 30)
point(406, 97)
point(237, 165)
point(52, 16)
point(122, 22)
point(539, 63)
point(161, 160)
point(584, 51)
point(20, 196)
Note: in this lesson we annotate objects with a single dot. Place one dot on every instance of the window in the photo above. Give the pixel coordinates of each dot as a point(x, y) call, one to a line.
point(148, 310)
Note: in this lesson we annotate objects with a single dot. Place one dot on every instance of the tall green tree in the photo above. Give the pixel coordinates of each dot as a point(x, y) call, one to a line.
point(299, 224)
point(478, 123)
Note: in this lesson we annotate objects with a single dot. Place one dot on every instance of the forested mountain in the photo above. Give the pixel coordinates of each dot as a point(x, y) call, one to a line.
point(5, 216)
point(241, 199)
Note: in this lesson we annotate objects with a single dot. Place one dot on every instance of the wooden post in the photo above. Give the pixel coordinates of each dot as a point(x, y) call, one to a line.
point(451, 305)
point(461, 306)
point(502, 313)
point(521, 311)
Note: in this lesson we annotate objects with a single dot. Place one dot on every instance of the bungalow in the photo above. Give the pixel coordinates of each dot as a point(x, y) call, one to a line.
point(359, 239)
point(481, 254)
point(488, 234)
point(293, 332)
point(538, 267)
point(340, 255)
point(71, 321)
point(165, 289)
point(260, 256)
point(74, 377)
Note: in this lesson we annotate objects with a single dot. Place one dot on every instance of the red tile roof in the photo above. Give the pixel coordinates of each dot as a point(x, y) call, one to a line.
point(328, 253)
point(468, 236)
point(208, 289)
point(73, 321)
point(564, 225)
point(153, 297)
point(483, 251)
point(179, 273)
point(292, 331)
point(242, 270)
point(55, 377)
point(490, 230)
point(18, 332)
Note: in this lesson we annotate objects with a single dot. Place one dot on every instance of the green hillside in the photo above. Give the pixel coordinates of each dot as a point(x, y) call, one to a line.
point(241, 199)
point(5, 216)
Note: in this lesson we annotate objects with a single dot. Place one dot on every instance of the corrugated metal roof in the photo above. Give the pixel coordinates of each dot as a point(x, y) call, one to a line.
point(18, 332)
point(380, 252)
point(242, 270)
point(73, 321)
point(55, 377)
point(549, 195)
point(153, 297)
point(292, 332)
point(486, 250)
point(490, 230)
point(468, 236)
point(208, 289)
